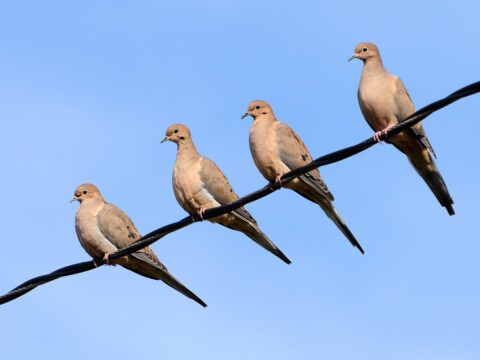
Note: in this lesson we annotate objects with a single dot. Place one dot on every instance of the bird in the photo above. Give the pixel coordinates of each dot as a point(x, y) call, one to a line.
point(102, 229)
point(198, 184)
point(385, 102)
point(276, 149)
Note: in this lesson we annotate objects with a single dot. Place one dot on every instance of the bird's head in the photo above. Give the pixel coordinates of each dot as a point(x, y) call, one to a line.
point(365, 51)
point(177, 133)
point(258, 109)
point(84, 192)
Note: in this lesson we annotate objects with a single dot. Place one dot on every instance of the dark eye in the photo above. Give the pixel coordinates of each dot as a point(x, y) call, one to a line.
point(364, 49)
point(84, 192)
point(257, 107)
point(175, 131)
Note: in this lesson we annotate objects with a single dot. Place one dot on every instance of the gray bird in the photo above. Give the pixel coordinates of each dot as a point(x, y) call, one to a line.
point(102, 228)
point(385, 102)
point(277, 149)
point(199, 184)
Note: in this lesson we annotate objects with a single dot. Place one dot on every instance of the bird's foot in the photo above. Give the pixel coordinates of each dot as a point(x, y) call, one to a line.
point(377, 134)
point(388, 128)
point(277, 181)
point(201, 212)
point(106, 259)
point(94, 263)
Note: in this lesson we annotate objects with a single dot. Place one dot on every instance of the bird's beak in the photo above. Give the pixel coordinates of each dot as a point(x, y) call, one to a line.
point(245, 115)
point(353, 57)
point(164, 139)
point(73, 199)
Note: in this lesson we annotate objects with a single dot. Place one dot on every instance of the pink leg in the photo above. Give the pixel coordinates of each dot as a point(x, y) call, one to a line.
point(388, 128)
point(105, 258)
point(201, 212)
point(278, 180)
point(377, 134)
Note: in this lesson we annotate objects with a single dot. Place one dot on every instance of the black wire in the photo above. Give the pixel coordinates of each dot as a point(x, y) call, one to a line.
point(266, 190)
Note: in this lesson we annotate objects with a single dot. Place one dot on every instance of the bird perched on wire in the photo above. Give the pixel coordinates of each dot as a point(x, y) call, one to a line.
point(102, 229)
point(385, 102)
point(199, 184)
point(276, 149)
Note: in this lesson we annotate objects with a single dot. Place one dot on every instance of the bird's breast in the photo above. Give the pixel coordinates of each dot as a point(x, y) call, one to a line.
point(264, 149)
point(377, 106)
point(187, 185)
point(89, 234)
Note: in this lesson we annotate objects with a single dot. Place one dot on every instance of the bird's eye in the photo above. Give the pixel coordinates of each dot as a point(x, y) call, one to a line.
point(364, 49)
point(84, 192)
point(257, 107)
point(175, 131)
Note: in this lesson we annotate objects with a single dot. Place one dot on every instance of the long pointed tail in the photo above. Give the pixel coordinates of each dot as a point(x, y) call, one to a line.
point(261, 239)
point(436, 183)
point(333, 214)
point(326, 204)
point(171, 281)
point(423, 161)
point(142, 265)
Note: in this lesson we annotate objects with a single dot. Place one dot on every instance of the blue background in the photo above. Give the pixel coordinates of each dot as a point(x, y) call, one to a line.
point(87, 90)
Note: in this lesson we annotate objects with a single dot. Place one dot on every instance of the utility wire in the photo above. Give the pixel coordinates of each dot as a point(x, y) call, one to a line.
point(266, 190)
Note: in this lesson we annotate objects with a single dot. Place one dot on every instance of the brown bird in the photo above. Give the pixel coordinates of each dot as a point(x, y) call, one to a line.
point(385, 102)
point(277, 149)
point(199, 184)
point(102, 228)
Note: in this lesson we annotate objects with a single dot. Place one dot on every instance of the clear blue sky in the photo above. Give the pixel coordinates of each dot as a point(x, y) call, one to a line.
point(86, 93)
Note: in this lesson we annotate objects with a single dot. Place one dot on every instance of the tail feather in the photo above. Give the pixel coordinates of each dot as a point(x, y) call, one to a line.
point(327, 206)
point(142, 265)
point(261, 239)
point(171, 281)
point(436, 183)
point(423, 161)
point(333, 214)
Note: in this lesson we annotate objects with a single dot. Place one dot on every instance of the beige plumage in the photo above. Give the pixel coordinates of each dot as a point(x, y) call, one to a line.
point(102, 228)
point(199, 184)
point(277, 149)
point(385, 102)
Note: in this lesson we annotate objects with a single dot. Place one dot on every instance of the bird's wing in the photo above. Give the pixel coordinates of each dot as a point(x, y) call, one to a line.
point(405, 108)
point(120, 230)
point(218, 186)
point(294, 153)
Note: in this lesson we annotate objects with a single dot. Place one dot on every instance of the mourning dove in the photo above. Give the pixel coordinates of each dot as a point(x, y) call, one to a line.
point(385, 102)
point(102, 228)
point(199, 184)
point(277, 149)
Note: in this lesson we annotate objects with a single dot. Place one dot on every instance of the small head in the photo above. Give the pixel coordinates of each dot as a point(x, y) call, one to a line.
point(84, 192)
point(257, 109)
point(177, 133)
point(365, 51)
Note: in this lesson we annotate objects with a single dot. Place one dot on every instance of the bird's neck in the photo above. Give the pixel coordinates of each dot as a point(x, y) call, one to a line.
point(91, 206)
point(187, 151)
point(264, 120)
point(373, 67)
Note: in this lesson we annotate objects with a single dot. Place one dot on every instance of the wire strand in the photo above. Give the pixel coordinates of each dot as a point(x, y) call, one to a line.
point(159, 233)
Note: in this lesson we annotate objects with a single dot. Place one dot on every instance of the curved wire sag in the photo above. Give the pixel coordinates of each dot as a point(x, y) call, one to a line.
point(266, 190)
